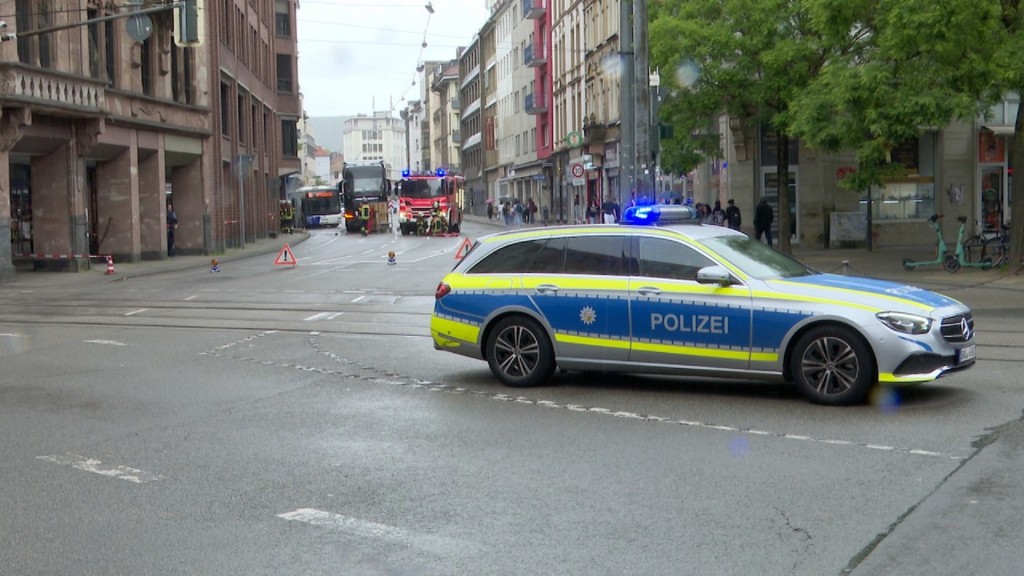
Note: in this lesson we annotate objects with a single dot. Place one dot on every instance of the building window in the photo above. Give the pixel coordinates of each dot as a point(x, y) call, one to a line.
point(289, 138)
point(34, 15)
point(282, 19)
point(241, 119)
point(145, 66)
point(284, 73)
point(225, 110)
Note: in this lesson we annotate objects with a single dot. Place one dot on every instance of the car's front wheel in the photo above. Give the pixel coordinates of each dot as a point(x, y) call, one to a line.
point(833, 365)
point(519, 352)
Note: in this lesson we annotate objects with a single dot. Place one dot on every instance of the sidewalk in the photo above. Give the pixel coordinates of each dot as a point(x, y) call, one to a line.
point(126, 270)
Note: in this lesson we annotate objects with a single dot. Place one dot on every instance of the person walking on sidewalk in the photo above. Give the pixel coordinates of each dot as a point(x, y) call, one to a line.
point(733, 219)
point(763, 216)
point(172, 225)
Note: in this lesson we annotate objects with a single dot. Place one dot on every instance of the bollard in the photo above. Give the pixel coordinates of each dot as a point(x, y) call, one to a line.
point(214, 265)
point(110, 265)
point(391, 257)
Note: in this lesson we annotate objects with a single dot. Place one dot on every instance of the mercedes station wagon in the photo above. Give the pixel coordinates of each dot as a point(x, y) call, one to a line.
point(663, 294)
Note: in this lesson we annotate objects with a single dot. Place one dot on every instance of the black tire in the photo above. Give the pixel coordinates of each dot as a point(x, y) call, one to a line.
point(519, 352)
point(833, 365)
point(997, 250)
point(974, 249)
point(951, 263)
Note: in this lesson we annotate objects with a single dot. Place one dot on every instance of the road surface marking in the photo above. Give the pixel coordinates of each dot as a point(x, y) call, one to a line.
point(96, 467)
point(134, 312)
point(367, 529)
point(107, 342)
point(357, 299)
point(316, 317)
point(193, 297)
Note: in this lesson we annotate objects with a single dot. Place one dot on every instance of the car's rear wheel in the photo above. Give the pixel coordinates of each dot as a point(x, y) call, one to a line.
point(519, 352)
point(833, 365)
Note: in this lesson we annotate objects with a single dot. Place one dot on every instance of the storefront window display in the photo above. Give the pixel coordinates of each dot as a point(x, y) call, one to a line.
point(992, 184)
point(912, 195)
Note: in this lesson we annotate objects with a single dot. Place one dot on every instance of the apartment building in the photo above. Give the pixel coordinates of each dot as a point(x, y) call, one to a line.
point(444, 118)
point(568, 101)
point(380, 137)
point(471, 126)
point(101, 130)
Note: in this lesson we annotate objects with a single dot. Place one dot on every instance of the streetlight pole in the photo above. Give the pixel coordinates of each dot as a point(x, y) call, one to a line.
point(627, 100)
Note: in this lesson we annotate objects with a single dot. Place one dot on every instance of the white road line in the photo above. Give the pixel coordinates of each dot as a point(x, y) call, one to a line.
point(316, 317)
point(107, 342)
point(358, 527)
point(190, 298)
point(96, 467)
point(134, 312)
point(335, 315)
point(357, 299)
point(12, 335)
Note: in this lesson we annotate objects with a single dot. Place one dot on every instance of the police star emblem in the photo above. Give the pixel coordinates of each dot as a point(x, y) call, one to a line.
point(588, 315)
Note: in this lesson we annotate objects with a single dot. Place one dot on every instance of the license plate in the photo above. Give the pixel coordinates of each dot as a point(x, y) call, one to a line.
point(965, 354)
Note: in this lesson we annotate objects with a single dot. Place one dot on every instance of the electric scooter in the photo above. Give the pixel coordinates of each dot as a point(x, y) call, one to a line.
point(954, 263)
point(940, 248)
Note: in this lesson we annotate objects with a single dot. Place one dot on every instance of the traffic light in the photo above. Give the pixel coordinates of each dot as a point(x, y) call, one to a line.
point(188, 23)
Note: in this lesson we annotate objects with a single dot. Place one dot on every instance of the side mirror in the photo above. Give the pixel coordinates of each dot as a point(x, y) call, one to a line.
point(714, 275)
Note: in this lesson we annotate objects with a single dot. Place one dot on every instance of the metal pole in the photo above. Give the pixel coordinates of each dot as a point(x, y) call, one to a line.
point(241, 200)
point(642, 93)
point(627, 99)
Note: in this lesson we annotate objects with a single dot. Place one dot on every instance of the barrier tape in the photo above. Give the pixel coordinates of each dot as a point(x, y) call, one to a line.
point(58, 256)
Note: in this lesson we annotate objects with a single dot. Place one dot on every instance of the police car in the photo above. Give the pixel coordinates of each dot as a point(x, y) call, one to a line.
point(677, 297)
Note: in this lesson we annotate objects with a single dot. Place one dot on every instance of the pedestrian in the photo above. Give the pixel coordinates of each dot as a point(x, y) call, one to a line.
point(287, 217)
point(531, 211)
point(172, 225)
point(609, 210)
point(506, 212)
point(717, 214)
point(732, 215)
point(763, 216)
point(517, 214)
point(544, 214)
point(576, 216)
point(592, 212)
point(490, 209)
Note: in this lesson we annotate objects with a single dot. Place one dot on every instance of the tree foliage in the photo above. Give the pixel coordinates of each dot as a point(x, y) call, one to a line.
point(860, 75)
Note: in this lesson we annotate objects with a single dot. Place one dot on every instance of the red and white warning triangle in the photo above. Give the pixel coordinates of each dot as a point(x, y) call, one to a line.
point(285, 257)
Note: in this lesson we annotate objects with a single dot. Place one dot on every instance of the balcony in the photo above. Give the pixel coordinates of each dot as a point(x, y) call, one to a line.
point(535, 104)
point(534, 57)
point(534, 9)
point(73, 95)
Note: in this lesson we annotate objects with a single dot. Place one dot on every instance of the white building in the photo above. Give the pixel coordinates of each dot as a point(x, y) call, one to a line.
point(375, 138)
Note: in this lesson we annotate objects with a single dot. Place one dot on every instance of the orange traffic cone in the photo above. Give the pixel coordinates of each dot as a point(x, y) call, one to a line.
point(110, 265)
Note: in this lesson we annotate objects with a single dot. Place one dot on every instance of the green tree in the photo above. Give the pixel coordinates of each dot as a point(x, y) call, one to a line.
point(745, 58)
point(894, 69)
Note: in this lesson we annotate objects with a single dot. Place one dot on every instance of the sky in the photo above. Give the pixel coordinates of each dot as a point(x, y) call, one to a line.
point(357, 56)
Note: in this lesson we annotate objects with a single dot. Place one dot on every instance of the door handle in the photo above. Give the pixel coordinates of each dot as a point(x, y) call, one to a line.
point(546, 288)
point(649, 291)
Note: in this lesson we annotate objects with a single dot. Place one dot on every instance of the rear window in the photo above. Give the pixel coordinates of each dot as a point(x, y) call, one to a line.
point(596, 255)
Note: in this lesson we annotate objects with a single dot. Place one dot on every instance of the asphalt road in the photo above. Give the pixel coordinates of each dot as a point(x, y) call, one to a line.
point(276, 420)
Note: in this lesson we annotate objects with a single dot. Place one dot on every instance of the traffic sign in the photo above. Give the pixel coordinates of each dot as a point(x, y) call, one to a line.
point(286, 257)
point(463, 249)
point(577, 170)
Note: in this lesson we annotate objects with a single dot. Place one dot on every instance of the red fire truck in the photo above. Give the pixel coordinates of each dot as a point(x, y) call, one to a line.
point(430, 203)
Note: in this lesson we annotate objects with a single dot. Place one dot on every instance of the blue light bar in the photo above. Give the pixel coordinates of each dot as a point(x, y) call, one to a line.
point(652, 214)
point(641, 215)
point(440, 172)
point(405, 173)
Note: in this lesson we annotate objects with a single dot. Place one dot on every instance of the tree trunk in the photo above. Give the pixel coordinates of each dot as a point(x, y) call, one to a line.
point(1017, 190)
point(784, 199)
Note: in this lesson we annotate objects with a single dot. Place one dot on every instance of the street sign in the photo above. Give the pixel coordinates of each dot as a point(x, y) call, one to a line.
point(577, 170)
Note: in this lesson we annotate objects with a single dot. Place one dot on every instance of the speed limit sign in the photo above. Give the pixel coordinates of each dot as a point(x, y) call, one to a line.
point(577, 170)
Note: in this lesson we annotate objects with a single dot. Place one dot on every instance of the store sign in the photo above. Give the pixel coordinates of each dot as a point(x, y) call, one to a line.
point(574, 139)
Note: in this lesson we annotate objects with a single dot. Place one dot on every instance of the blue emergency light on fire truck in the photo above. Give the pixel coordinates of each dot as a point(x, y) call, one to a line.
point(430, 202)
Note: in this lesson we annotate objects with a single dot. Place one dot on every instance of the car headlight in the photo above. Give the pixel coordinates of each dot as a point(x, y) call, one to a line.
point(905, 323)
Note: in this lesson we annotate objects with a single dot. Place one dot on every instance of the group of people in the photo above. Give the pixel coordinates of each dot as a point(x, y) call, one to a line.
point(514, 213)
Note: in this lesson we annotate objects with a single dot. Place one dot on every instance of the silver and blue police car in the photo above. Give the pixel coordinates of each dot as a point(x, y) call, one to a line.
point(682, 298)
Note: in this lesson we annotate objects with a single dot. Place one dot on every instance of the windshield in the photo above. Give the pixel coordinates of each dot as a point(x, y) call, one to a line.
point(428, 188)
point(756, 258)
point(365, 180)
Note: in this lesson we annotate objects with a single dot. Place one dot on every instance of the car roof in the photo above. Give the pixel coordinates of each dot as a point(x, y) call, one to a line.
point(692, 230)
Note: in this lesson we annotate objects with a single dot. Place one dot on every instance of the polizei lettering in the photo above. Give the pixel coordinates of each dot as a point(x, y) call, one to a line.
point(696, 323)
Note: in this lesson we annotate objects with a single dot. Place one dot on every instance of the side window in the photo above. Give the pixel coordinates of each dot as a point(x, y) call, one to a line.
point(663, 258)
point(602, 255)
point(551, 259)
point(512, 259)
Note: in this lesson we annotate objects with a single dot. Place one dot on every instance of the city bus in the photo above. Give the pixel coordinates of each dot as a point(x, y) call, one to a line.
point(317, 206)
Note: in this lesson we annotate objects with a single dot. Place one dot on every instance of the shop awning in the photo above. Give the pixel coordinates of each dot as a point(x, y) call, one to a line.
point(1000, 129)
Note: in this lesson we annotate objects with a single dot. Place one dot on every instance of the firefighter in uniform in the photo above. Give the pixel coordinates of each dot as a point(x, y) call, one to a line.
point(287, 217)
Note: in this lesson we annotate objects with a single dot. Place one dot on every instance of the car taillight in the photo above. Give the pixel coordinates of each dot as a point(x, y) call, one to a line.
point(442, 291)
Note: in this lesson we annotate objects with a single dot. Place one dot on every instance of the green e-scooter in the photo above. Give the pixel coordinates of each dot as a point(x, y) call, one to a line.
point(940, 248)
point(953, 263)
